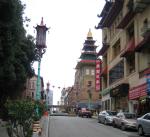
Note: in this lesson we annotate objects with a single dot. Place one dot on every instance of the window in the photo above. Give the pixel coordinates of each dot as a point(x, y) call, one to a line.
point(87, 72)
point(116, 72)
point(89, 83)
point(147, 117)
point(145, 23)
point(32, 94)
point(116, 49)
point(92, 72)
point(130, 31)
point(131, 64)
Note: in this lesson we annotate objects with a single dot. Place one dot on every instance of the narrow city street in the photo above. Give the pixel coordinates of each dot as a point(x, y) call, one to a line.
point(61, 126)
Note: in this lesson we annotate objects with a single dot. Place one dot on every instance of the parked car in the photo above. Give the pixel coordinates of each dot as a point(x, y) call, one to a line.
point(106, 117)
point(125, 120)
point(143, 124)
point(85, 113)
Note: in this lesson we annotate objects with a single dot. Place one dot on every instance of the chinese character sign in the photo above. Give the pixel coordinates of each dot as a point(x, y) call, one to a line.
point(97, 75)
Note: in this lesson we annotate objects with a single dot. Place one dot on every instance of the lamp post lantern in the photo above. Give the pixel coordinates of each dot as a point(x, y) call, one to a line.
point(40, 49)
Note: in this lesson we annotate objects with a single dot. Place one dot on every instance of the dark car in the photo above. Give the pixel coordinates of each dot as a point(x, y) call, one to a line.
point(143, 124)
point(85, 113)
point(106, 117)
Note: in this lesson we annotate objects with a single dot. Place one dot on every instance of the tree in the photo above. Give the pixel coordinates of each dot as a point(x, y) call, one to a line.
point(17, 51)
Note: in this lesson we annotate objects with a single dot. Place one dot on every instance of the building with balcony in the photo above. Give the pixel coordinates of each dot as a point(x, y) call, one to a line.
point(125, 55)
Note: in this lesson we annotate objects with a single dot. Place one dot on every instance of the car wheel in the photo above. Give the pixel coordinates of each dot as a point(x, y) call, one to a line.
point(113, 123)
point(123, 127)
point(105, 122)
point(140, 131)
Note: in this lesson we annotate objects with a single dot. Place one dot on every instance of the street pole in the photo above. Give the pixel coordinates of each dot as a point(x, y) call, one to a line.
point(89, 100)
point(40, 50)
point(38, 95)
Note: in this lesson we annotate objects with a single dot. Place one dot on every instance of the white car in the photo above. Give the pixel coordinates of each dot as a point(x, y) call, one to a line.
point(143, 124)
point(106, 117)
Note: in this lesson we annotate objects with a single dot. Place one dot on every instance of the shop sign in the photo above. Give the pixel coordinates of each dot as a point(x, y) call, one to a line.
point(97, 76)
point(120, 90)
point(137, 92)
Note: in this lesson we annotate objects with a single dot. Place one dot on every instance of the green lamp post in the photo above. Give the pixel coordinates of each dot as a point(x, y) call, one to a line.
point(40, 50)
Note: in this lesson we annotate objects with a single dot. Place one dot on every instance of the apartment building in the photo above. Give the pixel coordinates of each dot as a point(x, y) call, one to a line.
point(30, 90)
point(125, 55)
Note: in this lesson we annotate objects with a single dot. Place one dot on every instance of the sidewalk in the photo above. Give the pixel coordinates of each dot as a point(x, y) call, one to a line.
point(44, 125)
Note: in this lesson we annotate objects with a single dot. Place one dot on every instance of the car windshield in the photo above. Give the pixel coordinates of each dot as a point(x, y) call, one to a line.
point(111, 113)
point(130, 116)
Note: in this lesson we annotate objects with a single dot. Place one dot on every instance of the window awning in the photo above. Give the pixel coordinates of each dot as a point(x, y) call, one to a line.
point(143, 44)
point(105, 91)
point(103, 49)
point(104, 71)
point(137, 92)
point(126, 19)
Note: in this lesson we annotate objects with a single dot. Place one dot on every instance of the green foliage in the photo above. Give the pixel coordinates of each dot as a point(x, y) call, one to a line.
point(21, 114)
point(17, 51)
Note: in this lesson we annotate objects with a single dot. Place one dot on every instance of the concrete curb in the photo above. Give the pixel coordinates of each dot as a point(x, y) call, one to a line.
point(45, 126)
point(95, 117)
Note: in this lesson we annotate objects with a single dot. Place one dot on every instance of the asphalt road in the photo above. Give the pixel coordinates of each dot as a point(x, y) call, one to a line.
point(63, 126)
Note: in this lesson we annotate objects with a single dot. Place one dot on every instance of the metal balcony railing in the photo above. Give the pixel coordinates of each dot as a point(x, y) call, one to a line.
point(140, 5)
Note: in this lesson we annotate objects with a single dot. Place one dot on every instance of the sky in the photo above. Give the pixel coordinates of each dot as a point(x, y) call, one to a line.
point(69, 22)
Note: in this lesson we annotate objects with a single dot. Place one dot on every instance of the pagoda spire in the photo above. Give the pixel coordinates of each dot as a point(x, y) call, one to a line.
point(89, 35)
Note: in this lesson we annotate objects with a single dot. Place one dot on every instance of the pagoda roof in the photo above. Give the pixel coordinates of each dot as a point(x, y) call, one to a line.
point(109, 13)
point(89, 52)
point(89, 46)
point(82, 63)
point(103, 49)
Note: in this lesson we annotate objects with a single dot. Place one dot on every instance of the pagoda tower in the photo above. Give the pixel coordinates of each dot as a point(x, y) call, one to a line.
point(87, 97)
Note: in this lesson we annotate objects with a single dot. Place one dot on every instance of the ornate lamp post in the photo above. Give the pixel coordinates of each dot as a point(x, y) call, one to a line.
point(40, 49)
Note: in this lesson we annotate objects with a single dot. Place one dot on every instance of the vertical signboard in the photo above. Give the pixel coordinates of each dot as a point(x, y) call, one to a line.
point(148, 83)
point(97, 75)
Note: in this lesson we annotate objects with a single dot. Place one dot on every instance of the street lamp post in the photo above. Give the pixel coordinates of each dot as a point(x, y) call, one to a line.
point(40, 50)
point(89, 94)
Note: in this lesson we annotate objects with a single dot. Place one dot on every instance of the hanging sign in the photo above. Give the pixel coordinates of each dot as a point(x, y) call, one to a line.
point(97, 75)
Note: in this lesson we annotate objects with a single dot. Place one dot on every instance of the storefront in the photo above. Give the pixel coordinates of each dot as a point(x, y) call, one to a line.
point(106, 100)
point(119, 96)
point(138, 99)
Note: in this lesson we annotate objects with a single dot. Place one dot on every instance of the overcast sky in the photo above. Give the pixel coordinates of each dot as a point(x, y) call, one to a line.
point(69, 22)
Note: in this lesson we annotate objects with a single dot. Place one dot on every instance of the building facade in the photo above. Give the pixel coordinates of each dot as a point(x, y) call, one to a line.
point(30, 91)
point(49, 95)
point(125, 54)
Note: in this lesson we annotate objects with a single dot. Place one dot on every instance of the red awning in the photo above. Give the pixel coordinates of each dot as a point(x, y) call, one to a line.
point(103, 49)
point(129, 49)
point(137, 92)
point(104, 71)
point(143, 44)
